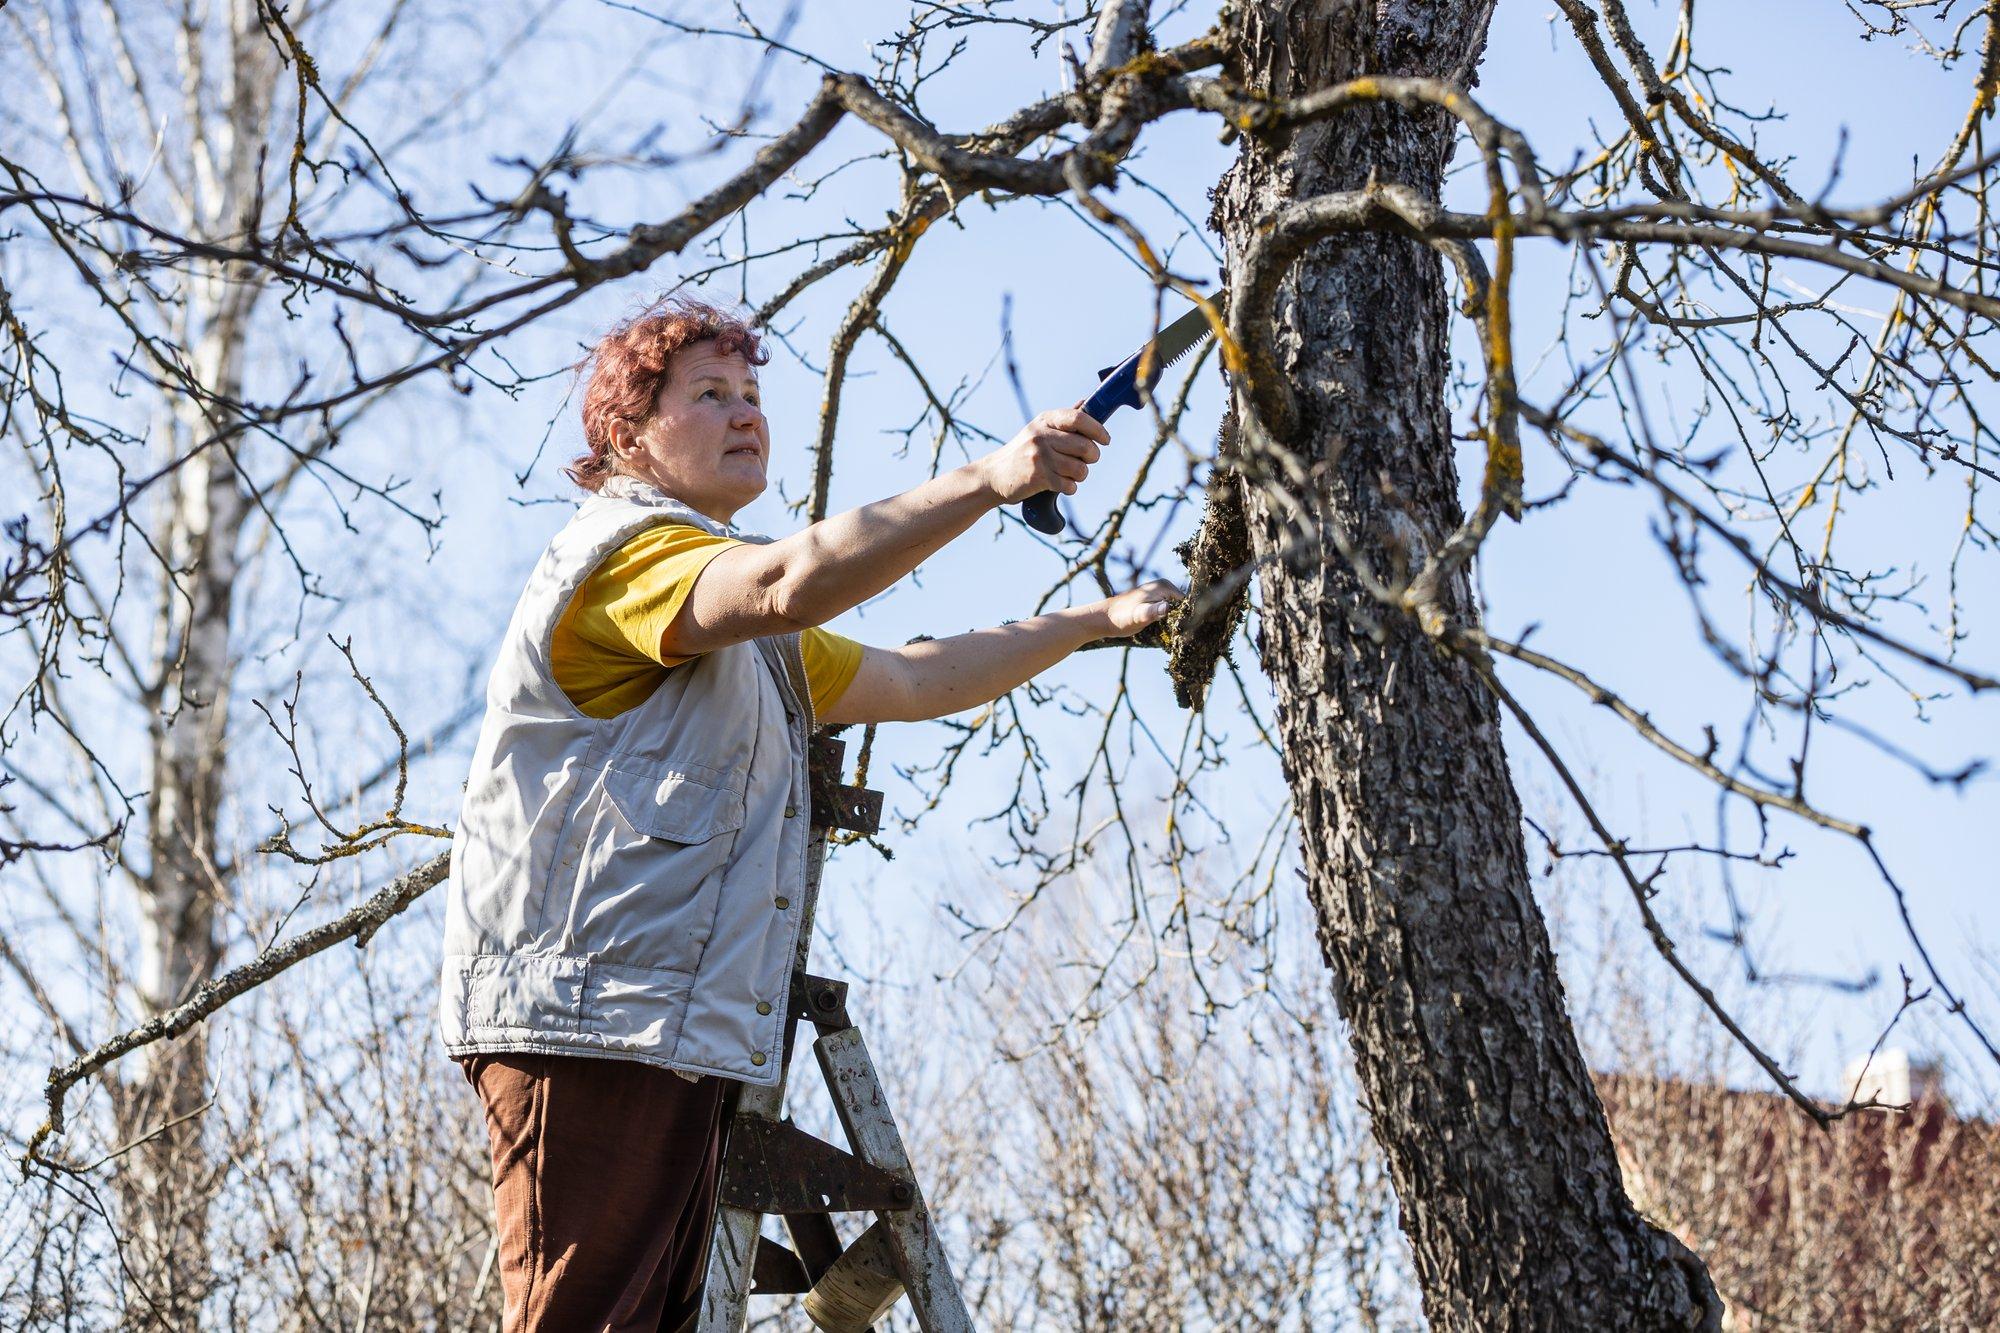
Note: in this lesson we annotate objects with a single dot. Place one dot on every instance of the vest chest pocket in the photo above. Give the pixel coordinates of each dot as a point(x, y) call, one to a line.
point(649, 900)
point(688, 806)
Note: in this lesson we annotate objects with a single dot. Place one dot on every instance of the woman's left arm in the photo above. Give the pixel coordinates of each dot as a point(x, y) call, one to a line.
point(938, 677)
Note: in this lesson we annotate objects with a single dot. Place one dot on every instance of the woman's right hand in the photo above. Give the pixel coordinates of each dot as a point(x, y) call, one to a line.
point(1051, 453)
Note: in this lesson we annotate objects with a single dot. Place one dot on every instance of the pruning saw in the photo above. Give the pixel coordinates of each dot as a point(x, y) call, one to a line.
point(1121, 386)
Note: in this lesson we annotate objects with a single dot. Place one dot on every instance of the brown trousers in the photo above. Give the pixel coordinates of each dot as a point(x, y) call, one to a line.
point(604, 1180)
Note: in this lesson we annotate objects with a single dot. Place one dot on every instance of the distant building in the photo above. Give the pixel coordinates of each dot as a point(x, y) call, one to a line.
point(1886, 1220)
point(1892, 1077)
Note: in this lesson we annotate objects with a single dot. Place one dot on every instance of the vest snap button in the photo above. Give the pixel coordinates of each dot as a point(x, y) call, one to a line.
point(791, 812)
point(763, 1006)
point(756, 1057)
point(783, 903)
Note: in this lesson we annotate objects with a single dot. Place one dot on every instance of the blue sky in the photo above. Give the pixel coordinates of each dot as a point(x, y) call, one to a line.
point(1586, 573)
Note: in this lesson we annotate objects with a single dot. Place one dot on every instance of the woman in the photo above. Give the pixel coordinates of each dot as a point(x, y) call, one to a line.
point(624, 885)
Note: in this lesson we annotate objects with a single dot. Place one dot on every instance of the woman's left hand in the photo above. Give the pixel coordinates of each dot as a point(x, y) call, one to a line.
point(1129, 612)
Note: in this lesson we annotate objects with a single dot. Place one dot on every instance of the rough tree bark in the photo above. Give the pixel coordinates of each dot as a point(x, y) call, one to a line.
point(1496, 1141)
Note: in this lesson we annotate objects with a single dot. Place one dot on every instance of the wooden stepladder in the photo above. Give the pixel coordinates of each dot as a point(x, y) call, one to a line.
point(772, 1166)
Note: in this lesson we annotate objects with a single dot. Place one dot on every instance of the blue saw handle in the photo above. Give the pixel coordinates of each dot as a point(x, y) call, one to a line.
point(1117, 387)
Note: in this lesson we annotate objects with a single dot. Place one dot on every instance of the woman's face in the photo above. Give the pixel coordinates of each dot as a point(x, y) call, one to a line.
point(707, 443)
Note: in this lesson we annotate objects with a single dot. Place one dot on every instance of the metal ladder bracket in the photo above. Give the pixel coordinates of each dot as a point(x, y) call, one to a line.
point(835, 805)
point(775, 1167)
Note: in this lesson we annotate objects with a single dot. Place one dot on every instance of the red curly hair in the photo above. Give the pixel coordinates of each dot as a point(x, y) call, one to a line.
point(629, 364)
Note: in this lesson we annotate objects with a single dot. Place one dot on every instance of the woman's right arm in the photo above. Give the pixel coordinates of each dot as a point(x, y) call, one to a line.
point(807, 579)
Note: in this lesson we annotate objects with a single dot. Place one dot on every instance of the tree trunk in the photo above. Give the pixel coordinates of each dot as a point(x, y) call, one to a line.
point(1498, 1147)
point(167, 1182)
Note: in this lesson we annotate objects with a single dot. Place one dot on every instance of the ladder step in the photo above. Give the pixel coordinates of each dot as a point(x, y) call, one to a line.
point(777, 1271)
point(859, 1289)
point(814, 1240)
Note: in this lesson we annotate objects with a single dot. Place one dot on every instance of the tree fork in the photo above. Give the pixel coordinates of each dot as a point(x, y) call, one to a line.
point(1411, 827)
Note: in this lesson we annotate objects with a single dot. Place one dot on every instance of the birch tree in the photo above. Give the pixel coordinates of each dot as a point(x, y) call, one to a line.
point(166, 141)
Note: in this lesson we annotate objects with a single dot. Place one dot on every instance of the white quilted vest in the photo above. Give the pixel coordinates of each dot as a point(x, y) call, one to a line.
point(630, 887)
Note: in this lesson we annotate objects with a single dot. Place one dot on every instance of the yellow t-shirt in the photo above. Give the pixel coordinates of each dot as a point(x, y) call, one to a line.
point(606, 649)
